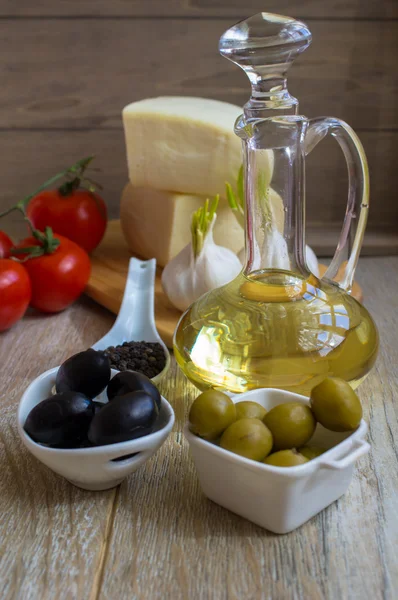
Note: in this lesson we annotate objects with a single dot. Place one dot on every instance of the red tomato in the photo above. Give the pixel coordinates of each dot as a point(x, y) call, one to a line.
point(15, 292)
point(80, 216)
point(58, 279)
point(5, 245)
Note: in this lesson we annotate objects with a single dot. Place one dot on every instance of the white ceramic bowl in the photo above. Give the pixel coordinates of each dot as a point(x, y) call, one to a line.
point(92, 468)
point(278, 498)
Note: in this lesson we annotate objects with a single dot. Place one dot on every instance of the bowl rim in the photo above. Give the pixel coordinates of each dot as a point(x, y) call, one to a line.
point(327, 459)
point(128, 445)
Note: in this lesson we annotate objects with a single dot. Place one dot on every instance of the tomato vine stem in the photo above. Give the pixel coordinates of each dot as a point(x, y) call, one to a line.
point(48, 243)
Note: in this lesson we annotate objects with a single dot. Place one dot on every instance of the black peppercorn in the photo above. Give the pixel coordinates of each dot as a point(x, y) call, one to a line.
point(146, 357)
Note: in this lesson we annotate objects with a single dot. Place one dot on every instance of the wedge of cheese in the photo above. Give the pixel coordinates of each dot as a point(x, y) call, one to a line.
point(182, 144)
point(157, 224)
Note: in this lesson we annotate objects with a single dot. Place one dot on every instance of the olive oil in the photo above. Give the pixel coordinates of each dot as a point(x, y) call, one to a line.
point(275, 329)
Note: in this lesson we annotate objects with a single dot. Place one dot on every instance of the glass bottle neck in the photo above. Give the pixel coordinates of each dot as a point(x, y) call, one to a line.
point(274, 192)
point(270, 97)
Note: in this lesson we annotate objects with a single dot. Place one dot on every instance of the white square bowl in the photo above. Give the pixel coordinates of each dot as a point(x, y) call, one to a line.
point(279, 499)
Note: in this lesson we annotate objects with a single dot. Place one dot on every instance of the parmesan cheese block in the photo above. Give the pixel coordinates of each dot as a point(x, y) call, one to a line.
point(182, 144)
point(157, 224)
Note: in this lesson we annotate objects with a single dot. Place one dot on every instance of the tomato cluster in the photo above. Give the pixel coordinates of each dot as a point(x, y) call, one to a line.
point(47, 270)
point(50, 282)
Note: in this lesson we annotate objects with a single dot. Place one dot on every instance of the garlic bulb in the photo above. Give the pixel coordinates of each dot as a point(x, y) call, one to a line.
point(202, 265)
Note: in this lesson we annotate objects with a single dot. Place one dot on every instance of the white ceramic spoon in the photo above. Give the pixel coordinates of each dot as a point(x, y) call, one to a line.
point(136, 318)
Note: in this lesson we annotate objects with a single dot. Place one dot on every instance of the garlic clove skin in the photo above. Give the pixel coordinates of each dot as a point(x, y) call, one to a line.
point(275, 249)
point(177, 281)
point(215, 266)
point(312, 261)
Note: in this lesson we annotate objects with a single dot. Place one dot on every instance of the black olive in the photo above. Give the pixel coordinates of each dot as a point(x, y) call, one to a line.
point(61, 421)
point(87, 372)
point(131, 381)
point(125, 418)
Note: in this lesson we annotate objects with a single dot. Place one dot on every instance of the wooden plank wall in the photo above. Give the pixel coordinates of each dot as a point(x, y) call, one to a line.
point(68, 68)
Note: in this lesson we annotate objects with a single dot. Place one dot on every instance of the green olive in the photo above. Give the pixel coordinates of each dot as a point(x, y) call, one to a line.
point(211, 413)
point(292, 424)
point(249, 438)
point(335, 405)
point(311, 452)
point(285, 458)
point(250, 410)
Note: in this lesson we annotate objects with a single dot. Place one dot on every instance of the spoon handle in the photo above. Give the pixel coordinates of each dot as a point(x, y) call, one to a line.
point(136, 318)
point(137, 312)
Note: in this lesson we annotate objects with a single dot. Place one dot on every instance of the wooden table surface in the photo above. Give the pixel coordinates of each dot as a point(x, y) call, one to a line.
point(156, 535)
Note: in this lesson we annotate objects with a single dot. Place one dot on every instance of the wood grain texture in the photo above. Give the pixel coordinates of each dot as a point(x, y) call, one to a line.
point(30, 157)
point(51, 534)
point(184, 546)
point(201, 8)
point(80, 73)
point(157, 536)
point(66, 81)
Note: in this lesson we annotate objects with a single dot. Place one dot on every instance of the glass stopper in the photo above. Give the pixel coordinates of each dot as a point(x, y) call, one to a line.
point(265, 46)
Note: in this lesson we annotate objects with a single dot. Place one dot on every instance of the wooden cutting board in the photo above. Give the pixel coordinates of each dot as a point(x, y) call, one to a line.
point(108, 278)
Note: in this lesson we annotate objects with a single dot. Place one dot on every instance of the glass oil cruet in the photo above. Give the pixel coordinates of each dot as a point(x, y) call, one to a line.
point(277, 324)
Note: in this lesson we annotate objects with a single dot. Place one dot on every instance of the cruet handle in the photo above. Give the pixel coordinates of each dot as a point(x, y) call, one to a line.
point(358, 192)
